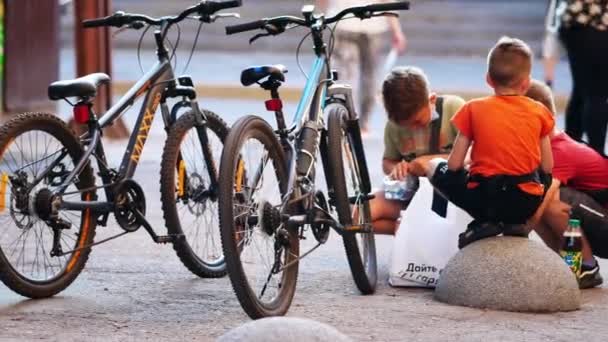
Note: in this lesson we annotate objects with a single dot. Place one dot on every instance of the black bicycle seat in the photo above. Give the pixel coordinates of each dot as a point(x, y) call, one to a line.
point(85, 86)
point(252, 75)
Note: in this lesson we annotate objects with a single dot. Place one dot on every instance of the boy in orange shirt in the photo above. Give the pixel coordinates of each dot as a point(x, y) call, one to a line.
point(511, 158)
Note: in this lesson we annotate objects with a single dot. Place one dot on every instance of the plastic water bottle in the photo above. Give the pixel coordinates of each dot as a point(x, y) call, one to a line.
point(571, 250)
point(400, 190)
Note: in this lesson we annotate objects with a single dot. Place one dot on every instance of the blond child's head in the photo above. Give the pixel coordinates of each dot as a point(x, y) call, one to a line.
point(542, 93)
point(509, 66)
point(406, 96)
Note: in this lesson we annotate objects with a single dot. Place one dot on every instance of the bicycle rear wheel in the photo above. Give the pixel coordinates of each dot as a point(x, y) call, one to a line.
point(261, 253)
point(188, 199)
point(37, 152)
point(353, 209)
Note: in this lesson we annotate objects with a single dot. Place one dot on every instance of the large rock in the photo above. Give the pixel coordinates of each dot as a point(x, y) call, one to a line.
point(284, 329)
point(509, 273)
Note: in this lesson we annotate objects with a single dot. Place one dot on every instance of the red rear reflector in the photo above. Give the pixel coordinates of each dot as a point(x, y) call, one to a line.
point(274, 105)
point(81, 113)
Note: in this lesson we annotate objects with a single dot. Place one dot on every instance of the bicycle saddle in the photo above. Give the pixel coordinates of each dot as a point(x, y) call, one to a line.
point(252, 75)
point(85, 86)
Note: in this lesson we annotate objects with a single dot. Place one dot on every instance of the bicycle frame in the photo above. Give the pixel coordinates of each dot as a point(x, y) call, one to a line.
point(313, 101)
point(149, 84)
point(158, 84)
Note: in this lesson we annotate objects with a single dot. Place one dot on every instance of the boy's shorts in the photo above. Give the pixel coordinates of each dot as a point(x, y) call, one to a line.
point(509, 206)
point(593, 217)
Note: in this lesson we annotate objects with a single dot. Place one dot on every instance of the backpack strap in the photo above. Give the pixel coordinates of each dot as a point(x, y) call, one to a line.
point(435, 138)
point(439, 204)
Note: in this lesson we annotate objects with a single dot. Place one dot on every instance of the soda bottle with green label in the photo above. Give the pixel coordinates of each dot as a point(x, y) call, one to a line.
point(571, 250)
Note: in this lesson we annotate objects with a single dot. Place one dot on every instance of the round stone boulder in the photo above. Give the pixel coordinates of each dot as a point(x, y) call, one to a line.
point(510, 274)
point(283, 329)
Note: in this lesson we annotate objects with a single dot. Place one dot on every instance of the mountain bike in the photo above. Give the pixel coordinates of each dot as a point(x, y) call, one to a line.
point(268, 196)
point(48, 194)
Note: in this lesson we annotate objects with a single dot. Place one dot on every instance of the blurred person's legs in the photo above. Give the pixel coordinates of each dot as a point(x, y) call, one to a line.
point(356, 58)
point(596, 101)
point(551, 53)
point(369, 50)
point(588, 53)
point(574, 109)
point(574, 118)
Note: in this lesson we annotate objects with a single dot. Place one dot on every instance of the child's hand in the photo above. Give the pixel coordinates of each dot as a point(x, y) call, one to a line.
point(418, 167)
point(400, 171)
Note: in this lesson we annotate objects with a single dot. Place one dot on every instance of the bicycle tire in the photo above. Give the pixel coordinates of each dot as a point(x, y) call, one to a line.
point(234, 241)
point(10, 276)
point(175, 148)
point(362, 264)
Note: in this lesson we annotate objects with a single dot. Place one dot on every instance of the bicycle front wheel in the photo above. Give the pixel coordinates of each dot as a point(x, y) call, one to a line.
point(189, 193)
point(261, 252)
point(350, 202)
point(37, 152)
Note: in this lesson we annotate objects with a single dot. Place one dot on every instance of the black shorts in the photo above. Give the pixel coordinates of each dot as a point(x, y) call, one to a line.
point(508, 205)
point(593, 217)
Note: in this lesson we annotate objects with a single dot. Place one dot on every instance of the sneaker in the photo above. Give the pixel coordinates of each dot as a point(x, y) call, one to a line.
point(476, 231)
point(590, 277)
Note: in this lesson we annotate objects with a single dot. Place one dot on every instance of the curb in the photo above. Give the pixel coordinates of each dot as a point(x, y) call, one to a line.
point(292, 94)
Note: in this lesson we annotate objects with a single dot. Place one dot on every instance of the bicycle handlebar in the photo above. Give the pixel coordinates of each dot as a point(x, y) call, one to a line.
point(119, 19)
point(246, 26)
point(362, 12)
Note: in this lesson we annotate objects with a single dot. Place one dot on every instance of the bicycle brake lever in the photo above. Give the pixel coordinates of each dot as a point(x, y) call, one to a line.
point(258, 36)
point(135, 26)
point(385, 14)
point(120, 30)
point(271, 30)
point(215, 17)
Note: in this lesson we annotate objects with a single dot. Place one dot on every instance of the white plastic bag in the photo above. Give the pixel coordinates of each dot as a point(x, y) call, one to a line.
point(425, 241)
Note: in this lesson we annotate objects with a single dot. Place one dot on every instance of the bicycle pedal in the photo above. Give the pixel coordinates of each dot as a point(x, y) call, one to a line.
point(169, 238)
point(359, 228)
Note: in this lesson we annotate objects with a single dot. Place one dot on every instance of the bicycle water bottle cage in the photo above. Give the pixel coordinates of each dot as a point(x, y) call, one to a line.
point(83, 87)
point(275, 73)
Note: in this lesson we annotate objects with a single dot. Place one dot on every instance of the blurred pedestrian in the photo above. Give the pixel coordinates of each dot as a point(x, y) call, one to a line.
point(584, 32)
point(551, 48)
point(357, 51)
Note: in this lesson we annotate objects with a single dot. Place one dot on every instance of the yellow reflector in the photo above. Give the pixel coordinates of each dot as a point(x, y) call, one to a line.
point(3, 184)
point(181, 178)
point(240, 169)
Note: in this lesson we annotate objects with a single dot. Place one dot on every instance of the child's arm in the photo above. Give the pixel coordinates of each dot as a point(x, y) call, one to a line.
point(420, 166)
point(546, 155)
point(459, 152)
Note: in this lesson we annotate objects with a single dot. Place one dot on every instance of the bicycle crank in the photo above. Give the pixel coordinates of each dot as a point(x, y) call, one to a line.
point(129, 199)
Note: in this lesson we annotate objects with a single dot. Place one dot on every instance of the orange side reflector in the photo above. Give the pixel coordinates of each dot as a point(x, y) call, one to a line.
point(3, 184)
point(240, 170)
point(181, 179)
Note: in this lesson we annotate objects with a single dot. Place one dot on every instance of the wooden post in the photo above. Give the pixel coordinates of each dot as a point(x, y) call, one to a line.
point(94, 54)
point(31, 50)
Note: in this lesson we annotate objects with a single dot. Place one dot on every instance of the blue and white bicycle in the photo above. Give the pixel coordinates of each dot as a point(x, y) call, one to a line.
point(267, 192)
